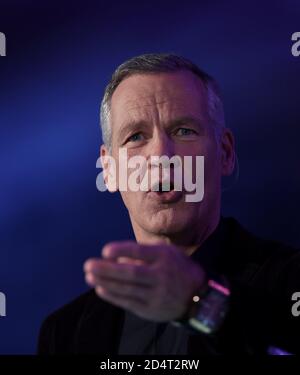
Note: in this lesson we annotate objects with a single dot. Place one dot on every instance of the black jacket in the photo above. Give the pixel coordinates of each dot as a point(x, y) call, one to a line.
point(263, 276)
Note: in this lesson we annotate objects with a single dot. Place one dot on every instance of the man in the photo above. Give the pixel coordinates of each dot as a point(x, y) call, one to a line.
point(193, 282)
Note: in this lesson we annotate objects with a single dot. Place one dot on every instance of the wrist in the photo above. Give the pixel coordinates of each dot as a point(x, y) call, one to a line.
point(207, 308)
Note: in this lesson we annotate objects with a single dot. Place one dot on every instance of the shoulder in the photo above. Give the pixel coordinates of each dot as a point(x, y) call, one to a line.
point(60, 329)
point(255, 248)
point(264, 262)
point(264, 274)
point(72, 309)
point(255, 257)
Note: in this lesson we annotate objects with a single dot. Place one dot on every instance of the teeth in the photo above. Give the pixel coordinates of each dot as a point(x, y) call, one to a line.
point(163, 186)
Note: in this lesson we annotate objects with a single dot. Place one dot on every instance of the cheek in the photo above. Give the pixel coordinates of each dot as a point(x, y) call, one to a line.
point(131, 200)
point(212, 177)
point(212, 165)
point(209, 150)
point(127, 199)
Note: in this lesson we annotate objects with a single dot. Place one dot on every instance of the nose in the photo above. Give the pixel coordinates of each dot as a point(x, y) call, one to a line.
point(161, 144)
point(161, 149)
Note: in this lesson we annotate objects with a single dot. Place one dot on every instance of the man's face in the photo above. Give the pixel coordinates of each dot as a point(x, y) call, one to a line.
point(167, 114)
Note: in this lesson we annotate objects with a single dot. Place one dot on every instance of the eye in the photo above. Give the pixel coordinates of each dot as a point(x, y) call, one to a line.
point(135, 137)
point(185, 131)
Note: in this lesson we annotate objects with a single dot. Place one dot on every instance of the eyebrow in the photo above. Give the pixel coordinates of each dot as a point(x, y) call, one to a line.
point(138, 125)
point(186, 120)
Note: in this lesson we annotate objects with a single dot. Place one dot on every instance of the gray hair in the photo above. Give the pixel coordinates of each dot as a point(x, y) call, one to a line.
point(152, 63)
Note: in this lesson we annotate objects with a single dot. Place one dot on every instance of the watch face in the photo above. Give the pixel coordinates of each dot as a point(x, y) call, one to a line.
point(212, 309)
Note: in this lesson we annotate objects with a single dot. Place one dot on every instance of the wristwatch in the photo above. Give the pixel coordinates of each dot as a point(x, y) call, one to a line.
point(207, 309)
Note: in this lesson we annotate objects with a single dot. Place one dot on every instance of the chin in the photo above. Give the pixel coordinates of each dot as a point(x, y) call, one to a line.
point(168, 222)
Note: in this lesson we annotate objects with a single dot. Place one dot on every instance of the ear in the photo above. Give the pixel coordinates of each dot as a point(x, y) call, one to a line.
point(227, 152)
point(109, 169)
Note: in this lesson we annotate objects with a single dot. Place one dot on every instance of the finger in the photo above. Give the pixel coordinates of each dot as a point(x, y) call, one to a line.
point(123, 289)
point(124, 272)
point(132, 304)
point(131, 249)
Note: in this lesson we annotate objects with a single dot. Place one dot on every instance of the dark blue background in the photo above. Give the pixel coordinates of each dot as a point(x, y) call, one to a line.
point(60, 55)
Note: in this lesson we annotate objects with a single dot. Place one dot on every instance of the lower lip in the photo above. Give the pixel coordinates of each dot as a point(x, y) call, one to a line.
point(166, 196)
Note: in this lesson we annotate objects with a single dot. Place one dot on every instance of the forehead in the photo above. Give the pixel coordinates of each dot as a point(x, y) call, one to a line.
point(178, 93)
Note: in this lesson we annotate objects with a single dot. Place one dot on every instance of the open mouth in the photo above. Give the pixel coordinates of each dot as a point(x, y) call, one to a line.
point(163, 187)
point(164, 192)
